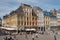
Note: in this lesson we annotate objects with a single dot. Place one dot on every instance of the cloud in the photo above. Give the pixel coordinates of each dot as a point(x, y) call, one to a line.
point(7, 6)
point(34, 1)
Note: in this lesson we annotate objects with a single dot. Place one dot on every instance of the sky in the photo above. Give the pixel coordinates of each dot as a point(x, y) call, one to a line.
point(6, 6)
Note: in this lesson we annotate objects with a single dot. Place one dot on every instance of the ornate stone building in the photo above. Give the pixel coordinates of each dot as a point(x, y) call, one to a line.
point(23, 17)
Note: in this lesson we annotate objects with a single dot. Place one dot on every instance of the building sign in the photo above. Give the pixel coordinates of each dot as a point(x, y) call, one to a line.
point(58, 24)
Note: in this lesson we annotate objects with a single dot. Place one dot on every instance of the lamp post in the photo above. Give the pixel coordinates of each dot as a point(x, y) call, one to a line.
point(17, 29)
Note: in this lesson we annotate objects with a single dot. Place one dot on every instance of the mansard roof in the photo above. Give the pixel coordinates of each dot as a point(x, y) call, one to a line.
point(23, 4)
point(47, 13)
point(38, 8)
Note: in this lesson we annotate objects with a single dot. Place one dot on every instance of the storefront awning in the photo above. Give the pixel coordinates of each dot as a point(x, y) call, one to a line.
point(30, 29)
point(6, 28)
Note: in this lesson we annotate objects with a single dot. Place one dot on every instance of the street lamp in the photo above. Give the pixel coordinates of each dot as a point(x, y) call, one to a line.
point(17, 29)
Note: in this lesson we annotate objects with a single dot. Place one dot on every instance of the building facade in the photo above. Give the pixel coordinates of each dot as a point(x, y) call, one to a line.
point(53, 22)
point(23, 17)
point(54, 12)
point(58, 17)
point(40, 20)
point(47, 20)
point(54, 19)
point(10, 20)
point(32, 17)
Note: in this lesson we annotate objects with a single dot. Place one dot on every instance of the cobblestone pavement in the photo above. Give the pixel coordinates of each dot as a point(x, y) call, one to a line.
point(35, 36)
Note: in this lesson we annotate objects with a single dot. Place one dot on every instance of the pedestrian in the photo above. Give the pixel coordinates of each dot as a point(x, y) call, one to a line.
point(42, 32)
point(55, 37)
point(33, 37)
point(10, 38)
point(53, 31)
point(36, 35)
point(5, 38)
point(14, 36)
point(26, 35)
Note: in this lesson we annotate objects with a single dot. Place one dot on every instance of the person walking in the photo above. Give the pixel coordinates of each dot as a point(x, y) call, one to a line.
point(36, 35)
point(55, 37)
point(32, 37)
point(10, 38)
point(5, 38)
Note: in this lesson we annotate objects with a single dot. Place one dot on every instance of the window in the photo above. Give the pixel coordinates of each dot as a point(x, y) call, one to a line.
point(33, 18)
point(24, 23)
point(27, 23)
point(30, 23)
point(18, 17)
point(18, 22)
point(27, 18)
point(24, 18)
point(33, 23)
point(25, 10)
point(46, 22)
point(27, 13)
point(21, 23)
point(21, 17)
point(28, 10)
point(36, 23)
